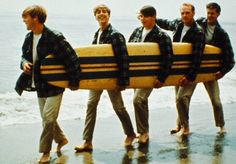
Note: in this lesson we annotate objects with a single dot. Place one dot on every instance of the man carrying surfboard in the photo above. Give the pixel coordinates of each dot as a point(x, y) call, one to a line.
point(40, 42)
point(106, 34)
point(186, 30)
point(150, 32)
point(217, 36)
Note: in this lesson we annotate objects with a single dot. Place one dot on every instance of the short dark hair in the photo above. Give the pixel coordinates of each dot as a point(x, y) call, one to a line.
point(36, 11)
point(213, 5)
point(148, 11)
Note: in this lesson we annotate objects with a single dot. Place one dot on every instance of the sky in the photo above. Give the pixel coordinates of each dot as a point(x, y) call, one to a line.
point(119, 8)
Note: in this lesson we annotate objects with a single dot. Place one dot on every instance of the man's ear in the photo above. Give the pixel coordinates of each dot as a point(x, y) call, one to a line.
point(36, 19)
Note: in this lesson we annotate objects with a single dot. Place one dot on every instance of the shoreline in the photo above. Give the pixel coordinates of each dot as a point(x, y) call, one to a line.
point(204, 145)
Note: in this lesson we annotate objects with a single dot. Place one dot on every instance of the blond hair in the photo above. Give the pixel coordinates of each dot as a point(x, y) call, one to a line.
point(101, 6)
point(189, 5)
point(36, 11)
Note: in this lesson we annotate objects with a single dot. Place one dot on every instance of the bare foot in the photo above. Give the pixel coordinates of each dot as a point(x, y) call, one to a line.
point(45, 158)
point(176, 130)
point(61, 144)
point(183, 132)
point(186, 131)
point(129, 140)
point(143, 138)
point(86, 147)
point(222, 130)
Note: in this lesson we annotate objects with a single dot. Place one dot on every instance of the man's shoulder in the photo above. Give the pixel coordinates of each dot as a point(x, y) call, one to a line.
point(177, 22)
point(197, 28)
point(52, 32)
point(138, 29)
point(220, 29)
point(28, 35)
point(201, 20)
point(114, 32)
point(161, 33)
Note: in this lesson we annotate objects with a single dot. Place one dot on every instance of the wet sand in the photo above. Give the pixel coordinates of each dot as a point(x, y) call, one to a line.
point(19, 143)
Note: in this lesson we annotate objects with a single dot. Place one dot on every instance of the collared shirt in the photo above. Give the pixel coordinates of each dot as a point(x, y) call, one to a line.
point(194, 35)
point(51, 42)
point(220, 39)
point(156, 35)
point(117, 40)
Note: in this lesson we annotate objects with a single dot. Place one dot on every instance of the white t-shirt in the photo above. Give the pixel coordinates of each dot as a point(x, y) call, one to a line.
point(209, 32)
point(184, 31)
point(145, 33)
point(35, 54)
point(99, 34)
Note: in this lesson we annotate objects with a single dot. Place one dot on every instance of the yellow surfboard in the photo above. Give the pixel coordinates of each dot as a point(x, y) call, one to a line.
point(99, 69)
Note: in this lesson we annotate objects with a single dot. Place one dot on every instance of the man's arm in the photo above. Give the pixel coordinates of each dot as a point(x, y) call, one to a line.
point(26, 64)
point(67, 54)
point(167, 24)
point(165, 45)
point(197, 50)
point(228, 61)
point(122, 58)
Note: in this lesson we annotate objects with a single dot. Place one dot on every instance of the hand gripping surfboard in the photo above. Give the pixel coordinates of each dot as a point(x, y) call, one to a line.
point(100, 71)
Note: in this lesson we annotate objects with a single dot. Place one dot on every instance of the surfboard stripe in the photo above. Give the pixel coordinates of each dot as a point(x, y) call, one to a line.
point(100, 71)
point(179, 65)
point(106, 62)
point(133, 73)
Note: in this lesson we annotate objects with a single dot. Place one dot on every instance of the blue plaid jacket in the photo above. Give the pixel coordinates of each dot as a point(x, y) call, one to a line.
point(194, 35)
point(156, 35)
point(221, 40)
point(117, 40)
point(51, 42)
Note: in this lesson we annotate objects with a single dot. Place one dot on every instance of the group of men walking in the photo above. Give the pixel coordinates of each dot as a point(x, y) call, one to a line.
point(42, 41)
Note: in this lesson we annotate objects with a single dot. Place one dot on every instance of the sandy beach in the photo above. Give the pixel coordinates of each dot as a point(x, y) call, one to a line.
point(19, 143)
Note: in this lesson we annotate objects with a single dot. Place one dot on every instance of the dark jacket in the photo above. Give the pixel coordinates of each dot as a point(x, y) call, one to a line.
point(220, 39)
point(156, 35)
point(194, 35)
point(51, 42)
point(24, 83)
point(117, 40)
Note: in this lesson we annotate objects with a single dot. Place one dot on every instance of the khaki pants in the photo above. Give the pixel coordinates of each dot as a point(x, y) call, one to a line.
point(183, 97)
point(140, 102)
point(118, 106)
point(49, 110)
point(213, 91)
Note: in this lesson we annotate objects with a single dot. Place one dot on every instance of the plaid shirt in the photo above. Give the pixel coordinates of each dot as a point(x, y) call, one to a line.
point(51, 42)
point(194, 35)
point(220, 39)
point(117, 40)
point(158, 36)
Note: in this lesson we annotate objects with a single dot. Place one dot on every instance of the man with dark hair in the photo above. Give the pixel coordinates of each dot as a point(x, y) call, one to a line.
point(150, 32)
point(106, 34)
point(186, 30)
point(40, 42)
point(217, 36)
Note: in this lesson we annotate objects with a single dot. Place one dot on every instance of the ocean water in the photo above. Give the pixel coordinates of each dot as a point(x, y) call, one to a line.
point(16, 109)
